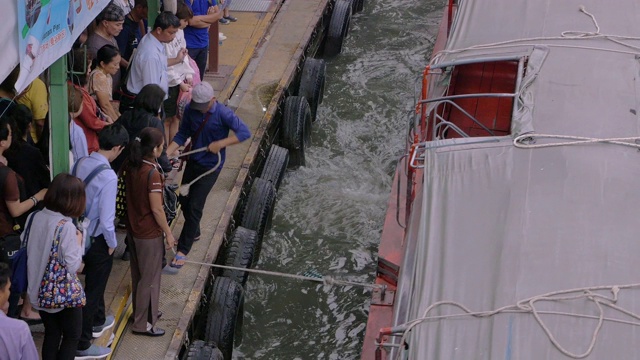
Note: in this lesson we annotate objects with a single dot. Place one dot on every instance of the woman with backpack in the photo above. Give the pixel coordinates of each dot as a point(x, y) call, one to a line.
point(147, 227)
point(54, 251)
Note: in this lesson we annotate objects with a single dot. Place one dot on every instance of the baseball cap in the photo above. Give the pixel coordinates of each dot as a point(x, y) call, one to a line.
point(201, 94)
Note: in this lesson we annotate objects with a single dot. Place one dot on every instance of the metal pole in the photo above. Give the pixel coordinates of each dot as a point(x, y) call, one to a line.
point(213, 47)
point(59, 117)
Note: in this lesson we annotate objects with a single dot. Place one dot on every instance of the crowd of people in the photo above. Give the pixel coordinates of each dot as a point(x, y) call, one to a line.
point(136, 97)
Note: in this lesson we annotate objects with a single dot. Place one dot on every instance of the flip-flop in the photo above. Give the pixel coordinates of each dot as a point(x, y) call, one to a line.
point(177, 258)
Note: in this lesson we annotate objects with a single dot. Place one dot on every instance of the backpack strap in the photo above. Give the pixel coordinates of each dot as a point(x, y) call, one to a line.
point(28, 229)
point(98, 169)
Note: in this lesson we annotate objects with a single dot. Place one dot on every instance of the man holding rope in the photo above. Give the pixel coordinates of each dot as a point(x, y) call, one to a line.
point(207, 123)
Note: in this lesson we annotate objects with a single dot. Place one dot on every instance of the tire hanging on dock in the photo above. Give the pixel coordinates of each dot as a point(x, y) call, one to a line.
point(225, 314)
point(240, 253)
point(258, 211)
point(296, 129)
point(312, 83)
point(199, 350)
point(358, 6)
point(275, 166)
point(338, 27)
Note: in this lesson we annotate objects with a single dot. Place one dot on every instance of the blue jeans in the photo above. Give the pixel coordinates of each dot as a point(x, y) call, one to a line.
point(200, 57)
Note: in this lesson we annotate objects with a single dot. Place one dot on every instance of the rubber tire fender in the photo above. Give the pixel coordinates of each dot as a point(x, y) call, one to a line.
point(199, 350)
point(312, 83)
point(296, 129)
point(240, 254)
point(275, 166)
point(225, 314)
point(358, 6)
point(258, 211)
point(338, 27)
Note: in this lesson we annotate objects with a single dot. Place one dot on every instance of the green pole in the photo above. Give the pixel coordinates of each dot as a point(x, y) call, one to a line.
point(153, 11)
point(59, 117)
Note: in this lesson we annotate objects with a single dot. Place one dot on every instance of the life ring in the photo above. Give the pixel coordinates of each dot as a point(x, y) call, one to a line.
point(275, 166)
point(240, 253)
point(258, 211)
point(312, 83)
point(296, 129)
point(338, 27)
point(225, 314)
point(199, 350)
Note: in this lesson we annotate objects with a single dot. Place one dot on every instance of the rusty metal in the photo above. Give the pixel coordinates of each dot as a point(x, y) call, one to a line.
point(214, 45)
point(383, 297)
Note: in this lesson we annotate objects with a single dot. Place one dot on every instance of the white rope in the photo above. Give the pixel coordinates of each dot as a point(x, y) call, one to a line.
point(528, 306)
point(521, 141)
point(193, 151)
point(184, 188)
point(565, 35)
point(326, 280)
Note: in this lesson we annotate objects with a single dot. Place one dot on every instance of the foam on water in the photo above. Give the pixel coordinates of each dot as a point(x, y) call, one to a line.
point(329, 214)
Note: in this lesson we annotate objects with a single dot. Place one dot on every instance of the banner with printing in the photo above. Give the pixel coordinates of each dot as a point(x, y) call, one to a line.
point(47, 30)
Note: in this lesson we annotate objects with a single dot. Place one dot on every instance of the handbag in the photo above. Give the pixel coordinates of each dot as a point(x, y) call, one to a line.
point(59, 288)
point(169, 198)
point(19, 279)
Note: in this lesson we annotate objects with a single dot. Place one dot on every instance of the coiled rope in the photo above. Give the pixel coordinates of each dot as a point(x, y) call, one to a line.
point(527, 306)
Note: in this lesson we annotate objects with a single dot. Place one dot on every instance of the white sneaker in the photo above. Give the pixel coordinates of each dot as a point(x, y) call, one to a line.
point(221, 37)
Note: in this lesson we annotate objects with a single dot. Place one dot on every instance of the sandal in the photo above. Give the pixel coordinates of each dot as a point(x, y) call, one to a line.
point(174, 263)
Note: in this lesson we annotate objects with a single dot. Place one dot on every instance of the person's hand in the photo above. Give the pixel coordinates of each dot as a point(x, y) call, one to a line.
point(108, 119)
point(189, 80)
point(214, 147)
point(221, 2)
point(213, 9)
point(181, 54)
point(171, 241)
point(40, 194)
point(111, 250)
point(184, 87)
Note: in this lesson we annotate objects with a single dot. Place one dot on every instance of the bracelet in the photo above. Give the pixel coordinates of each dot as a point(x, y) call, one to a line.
point(35, 201)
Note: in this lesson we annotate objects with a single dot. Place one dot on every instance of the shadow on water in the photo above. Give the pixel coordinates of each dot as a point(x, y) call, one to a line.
point(329, 215)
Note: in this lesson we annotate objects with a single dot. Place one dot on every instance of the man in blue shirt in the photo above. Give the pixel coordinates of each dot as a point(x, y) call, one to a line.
point(205, 14)
point(132, 31)
point(16, 341)
point(101, 240)
point(207, 123)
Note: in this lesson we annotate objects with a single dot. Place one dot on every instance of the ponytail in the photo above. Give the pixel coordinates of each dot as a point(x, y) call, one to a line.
point(143, 145)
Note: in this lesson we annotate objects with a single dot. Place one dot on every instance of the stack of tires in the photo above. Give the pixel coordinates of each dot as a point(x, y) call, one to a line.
point(222, 328)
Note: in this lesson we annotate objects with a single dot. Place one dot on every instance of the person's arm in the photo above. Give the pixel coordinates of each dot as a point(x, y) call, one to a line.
point(204, 21)
point(178, 59)
point(155, 202)
point(181, 136)
point(218, 145)
point(28, 349)
point(106, 105)
point(88, 115)
point(17, 207)
point(107, 213)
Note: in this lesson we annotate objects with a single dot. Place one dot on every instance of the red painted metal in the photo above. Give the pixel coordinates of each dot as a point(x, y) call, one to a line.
point(449, 15)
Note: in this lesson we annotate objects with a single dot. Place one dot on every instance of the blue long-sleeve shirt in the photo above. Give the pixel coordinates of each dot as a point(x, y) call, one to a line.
point(221, 120)
point(101, 197)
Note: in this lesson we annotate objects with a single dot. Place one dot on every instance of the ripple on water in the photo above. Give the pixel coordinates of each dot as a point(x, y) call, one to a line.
point(329, 214)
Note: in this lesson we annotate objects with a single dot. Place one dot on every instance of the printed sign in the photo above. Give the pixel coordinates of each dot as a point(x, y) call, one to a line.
point(47, 30)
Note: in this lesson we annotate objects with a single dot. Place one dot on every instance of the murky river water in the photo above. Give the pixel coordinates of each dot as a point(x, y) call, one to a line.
point(329, 215)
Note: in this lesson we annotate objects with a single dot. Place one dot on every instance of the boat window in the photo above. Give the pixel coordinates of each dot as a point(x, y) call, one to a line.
point(478, 101)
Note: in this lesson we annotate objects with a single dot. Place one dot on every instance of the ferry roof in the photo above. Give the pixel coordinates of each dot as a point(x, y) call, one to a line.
point(498, 224)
